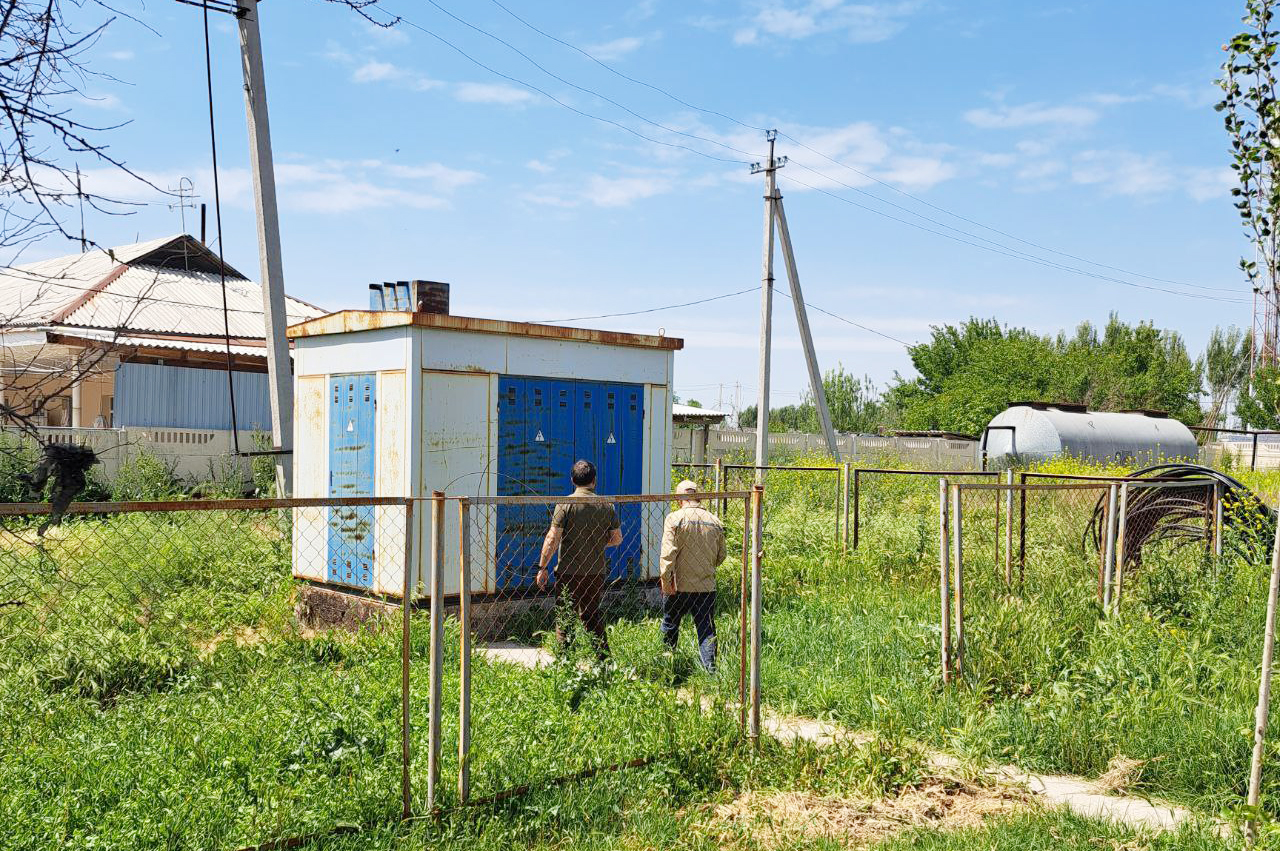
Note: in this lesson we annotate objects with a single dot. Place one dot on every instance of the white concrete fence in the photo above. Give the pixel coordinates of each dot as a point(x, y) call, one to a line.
point(193, 453)
point(704, 445)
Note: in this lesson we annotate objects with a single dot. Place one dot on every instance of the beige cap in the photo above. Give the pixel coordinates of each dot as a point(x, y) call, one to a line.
point(686, 487)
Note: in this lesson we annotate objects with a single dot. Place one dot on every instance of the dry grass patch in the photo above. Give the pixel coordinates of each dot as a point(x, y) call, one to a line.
point(776, 820)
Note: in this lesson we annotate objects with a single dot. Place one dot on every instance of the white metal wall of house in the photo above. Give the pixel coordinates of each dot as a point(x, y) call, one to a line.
point(167, 396)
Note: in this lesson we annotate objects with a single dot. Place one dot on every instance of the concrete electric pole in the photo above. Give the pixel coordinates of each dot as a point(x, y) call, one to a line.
point(770, 169)
point(774, 213)
point(279, 365)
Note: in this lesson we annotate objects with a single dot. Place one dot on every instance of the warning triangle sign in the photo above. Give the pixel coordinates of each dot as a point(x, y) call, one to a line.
point(539, 438)
point(611, 438)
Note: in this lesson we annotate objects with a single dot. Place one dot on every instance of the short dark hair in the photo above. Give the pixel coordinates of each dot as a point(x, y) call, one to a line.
point(584, 473)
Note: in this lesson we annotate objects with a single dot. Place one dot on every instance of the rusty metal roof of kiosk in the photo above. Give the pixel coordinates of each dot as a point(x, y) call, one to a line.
point(348, 321)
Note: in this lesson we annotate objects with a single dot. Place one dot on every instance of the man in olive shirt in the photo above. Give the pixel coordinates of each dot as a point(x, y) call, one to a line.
point(582, 531)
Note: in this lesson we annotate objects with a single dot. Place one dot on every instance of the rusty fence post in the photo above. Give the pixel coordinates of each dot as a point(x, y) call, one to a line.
point(406, 610)
point(957, 571)
point(1109, 547)
point(464, 650)
point(719, 486)
point(857, 505)
point(436, 648)
point(844, 506)
point(1122, 522)
point(1263, 708)
point(1022, 528)
point(1008, 529)
point(744, 614)
point(757, 565)
point(1217, 519)
point(944, 576)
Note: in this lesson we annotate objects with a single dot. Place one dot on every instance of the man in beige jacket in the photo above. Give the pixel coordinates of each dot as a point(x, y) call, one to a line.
point(692, 548)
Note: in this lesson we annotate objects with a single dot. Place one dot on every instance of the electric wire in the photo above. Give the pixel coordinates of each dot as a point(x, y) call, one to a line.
point(1027, 258)
point(558, 102)
point(657, 309)
point(217, 214)
point(976, 223)
point(1021, 254)
point(746, 125)
point(592, 92)
point(840, 318)
point(628, 78)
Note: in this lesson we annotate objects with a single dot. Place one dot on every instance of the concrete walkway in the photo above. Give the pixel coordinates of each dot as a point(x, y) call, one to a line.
point(1082, 797)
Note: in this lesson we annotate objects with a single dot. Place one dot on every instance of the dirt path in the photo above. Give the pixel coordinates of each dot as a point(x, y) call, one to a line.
point(1083, 797)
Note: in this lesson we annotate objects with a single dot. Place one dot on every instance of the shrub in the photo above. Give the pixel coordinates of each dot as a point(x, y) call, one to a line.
point(146, 477)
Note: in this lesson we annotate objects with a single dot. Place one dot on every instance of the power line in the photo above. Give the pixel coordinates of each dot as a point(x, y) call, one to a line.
point(558, 102)
point(656, 309)
point(1004, 248)
point(836, 316)
point(708, 111)
point(1010, 252)
point(588, 91)
point(976, 223)
point(626, 77)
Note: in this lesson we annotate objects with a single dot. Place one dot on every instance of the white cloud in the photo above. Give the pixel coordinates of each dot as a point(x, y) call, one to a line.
point(374, 71)
point(1031, 115)
point(877, 153)
point(539, 166)
point(121, 55)
point(318, 186)
point(1123, 172)
point(615, 49)
point(858, 22)
point(602, 191)
point(622, 191)
point(499, 93)
point(107, 102)
point(1209, 184)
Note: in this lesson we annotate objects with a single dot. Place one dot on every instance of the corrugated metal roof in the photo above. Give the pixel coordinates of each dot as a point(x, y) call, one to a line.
point(678, 410)
point(145, 298)
point(127, 292)
point(215, 346)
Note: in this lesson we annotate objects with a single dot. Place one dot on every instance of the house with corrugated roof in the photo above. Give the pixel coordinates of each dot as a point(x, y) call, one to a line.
point(150, 332)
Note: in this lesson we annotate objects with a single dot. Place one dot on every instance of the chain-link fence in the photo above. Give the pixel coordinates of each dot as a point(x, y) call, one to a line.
point(882, 499)
point(575, 653)
point(815, 497)
point(155, 681)
point(1077, 540)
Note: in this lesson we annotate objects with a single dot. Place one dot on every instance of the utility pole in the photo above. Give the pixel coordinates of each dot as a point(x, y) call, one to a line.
point(770, 169)
point(279, 365)
point(774, 213)
point(802, 322)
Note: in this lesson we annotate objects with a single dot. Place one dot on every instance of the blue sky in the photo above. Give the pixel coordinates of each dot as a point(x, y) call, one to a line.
point(1083, 127)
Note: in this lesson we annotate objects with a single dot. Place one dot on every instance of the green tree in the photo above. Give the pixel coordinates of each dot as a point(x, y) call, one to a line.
point(856, 405)
point(1259, 406)
point(969, 373)
point(1224, 366)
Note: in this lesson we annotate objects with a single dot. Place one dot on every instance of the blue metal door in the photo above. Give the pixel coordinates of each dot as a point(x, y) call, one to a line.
point(352, 404)
point(543, 427)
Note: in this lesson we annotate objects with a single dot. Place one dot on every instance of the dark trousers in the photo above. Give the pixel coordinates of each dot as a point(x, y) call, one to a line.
point(702, 606)
point(585, 593)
